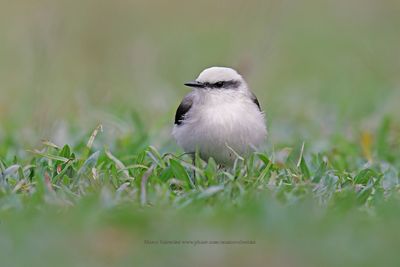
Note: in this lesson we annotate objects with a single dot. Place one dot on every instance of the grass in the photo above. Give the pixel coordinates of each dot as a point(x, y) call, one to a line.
point(324, 191)
point(87, 205)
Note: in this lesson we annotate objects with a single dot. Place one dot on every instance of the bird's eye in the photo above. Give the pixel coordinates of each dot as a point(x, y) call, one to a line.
point(219, 84)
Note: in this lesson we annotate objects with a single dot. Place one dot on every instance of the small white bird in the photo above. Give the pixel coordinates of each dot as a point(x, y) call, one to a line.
point(220, 118)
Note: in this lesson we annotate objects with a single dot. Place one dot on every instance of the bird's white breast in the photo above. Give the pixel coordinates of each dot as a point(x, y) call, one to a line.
point(220, 122)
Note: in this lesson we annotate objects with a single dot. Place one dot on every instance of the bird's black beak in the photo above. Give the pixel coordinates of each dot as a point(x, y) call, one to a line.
point(195, 84)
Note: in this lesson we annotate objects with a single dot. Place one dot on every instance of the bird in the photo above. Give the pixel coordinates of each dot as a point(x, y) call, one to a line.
point(220, 118)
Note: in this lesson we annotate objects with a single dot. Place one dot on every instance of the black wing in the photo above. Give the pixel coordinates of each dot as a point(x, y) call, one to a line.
point(255, 100)
point(183, 108)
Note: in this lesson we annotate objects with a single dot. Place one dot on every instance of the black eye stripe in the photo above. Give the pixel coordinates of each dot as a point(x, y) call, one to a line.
point(231, 84)
point(219, 84)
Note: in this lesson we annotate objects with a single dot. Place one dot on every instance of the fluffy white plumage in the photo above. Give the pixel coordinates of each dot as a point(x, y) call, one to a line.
point(220, 115)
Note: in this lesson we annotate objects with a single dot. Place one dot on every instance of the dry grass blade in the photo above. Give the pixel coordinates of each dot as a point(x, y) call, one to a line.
point(50, 144)
point(48, 156)
point(120, 166)
point(234, 152)
point(93, 136)
point(301, 155)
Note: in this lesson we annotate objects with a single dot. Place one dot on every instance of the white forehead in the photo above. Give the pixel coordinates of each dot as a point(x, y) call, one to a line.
point(215, 74)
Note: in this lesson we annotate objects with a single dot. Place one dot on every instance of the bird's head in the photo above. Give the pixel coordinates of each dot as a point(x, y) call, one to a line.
point(219, 78)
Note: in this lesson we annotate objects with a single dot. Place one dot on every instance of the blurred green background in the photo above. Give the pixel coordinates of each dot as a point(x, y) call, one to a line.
point(318, 67)
point(324, 72)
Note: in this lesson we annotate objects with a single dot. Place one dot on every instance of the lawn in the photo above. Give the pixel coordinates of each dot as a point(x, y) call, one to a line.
point(89, 172)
